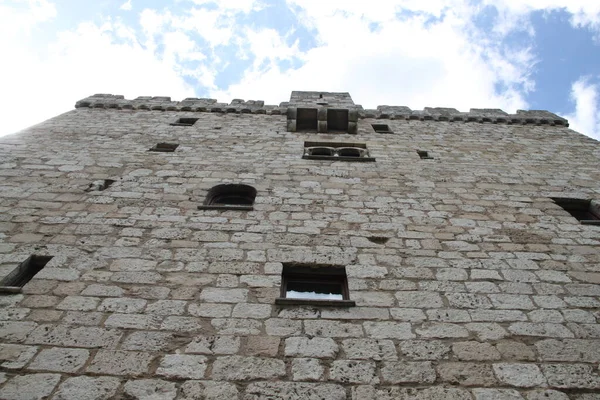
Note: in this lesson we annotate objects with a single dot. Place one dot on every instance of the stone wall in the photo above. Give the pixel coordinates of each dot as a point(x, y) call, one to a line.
point(486, 289)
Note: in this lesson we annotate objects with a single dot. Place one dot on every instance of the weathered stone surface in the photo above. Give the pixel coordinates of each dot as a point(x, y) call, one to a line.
point(520, 375)
point(15, 356)
point(26, 387)
point(466, 374)
point(127, 363)
point(408, 372)
point(59, 359)
point(294, 391)
point(236, 368)
point(307, 369)
point(150, 389)
point(316, 347)
point(399, 393)
point(369, 349)
point(182, 366)
point(193, 390)
point(353, 372)
point(214, 345)
point(87, 388)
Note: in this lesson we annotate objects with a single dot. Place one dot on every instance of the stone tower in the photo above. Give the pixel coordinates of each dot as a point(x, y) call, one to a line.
point(153, 249)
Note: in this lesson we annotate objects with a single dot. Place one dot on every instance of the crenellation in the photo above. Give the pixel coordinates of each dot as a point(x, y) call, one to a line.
point(311, 100)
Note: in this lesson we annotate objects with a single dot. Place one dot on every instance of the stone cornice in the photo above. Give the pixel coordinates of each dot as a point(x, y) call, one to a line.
point(480, 115)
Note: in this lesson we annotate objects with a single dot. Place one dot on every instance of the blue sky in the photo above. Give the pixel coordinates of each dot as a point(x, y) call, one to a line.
point(509, 54)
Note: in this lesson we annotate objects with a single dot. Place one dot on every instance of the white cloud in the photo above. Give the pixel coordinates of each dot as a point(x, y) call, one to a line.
point(90, 59)
point(126, 6)
point(586, 117)
point(411, 62)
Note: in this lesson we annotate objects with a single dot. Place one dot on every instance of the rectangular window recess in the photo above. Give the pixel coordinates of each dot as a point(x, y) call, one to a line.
point(164, 147)
point(185, 122)
point(337, 120)
point(314, 285)
point(99, 185)
point(584, 210)
point(306, 120)
point(336, 151)
point(381, 128)
point(424, 155)
point(18, 277)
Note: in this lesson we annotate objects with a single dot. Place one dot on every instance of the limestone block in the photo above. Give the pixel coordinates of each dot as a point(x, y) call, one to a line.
point(307, 347)
point(182, 366)
point(25, 387)
point(85, 387)
point(236, 368)
point(58, 359)
point(150, 389)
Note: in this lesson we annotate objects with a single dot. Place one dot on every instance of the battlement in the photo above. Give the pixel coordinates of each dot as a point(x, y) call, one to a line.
point(323, 100)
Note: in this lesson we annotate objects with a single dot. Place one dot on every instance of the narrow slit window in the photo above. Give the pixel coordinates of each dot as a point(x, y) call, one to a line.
point(17, 278)
point(314, 285)
point(186, 121)
point(381, 128)
point(585, 211)
point(165, 147)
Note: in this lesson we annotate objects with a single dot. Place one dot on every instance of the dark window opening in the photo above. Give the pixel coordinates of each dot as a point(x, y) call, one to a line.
point(18, 277)
point(337, 120)
point(185, 121)
point(350, 152)
point(378, 239)
point(585, 211)
point(164, 147)
point(314, 285)
point(336, 151)
point(100, 185)
point(306, 119)
point(230, 196)
point(381, 128)
point(424, 155)
point(321, 151)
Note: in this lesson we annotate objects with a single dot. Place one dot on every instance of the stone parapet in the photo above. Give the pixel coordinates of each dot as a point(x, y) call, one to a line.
point(480, 115)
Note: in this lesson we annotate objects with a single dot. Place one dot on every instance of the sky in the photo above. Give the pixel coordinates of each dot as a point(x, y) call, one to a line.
point(508, 54)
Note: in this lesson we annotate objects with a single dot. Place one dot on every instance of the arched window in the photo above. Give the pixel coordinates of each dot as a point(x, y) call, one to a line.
point(230, 196)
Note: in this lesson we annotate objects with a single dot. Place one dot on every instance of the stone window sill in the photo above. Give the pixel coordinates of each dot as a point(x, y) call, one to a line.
point(283, 301)
point(225, 207)
point(334, 158)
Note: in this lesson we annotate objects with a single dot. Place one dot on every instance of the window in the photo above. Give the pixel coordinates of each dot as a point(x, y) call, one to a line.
point(306, 119)
point(17, 278)
point(336, 151)
point(316, 285)
point(100, 185)
point(381, 128)
point(424, 155)
point(337, 120)
point(164, 147)
point(585, 211)
point(185, 121)
point(230, 197)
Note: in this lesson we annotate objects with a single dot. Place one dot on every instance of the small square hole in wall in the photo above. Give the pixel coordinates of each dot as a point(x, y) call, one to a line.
point(164, 147)
point(585, 211)
point(424, 155)
point(99, 185)
point(18, 277)
point(381, 128)
point(317, 285)
point(337, 120)
point(186, 121)
point(306, 120)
